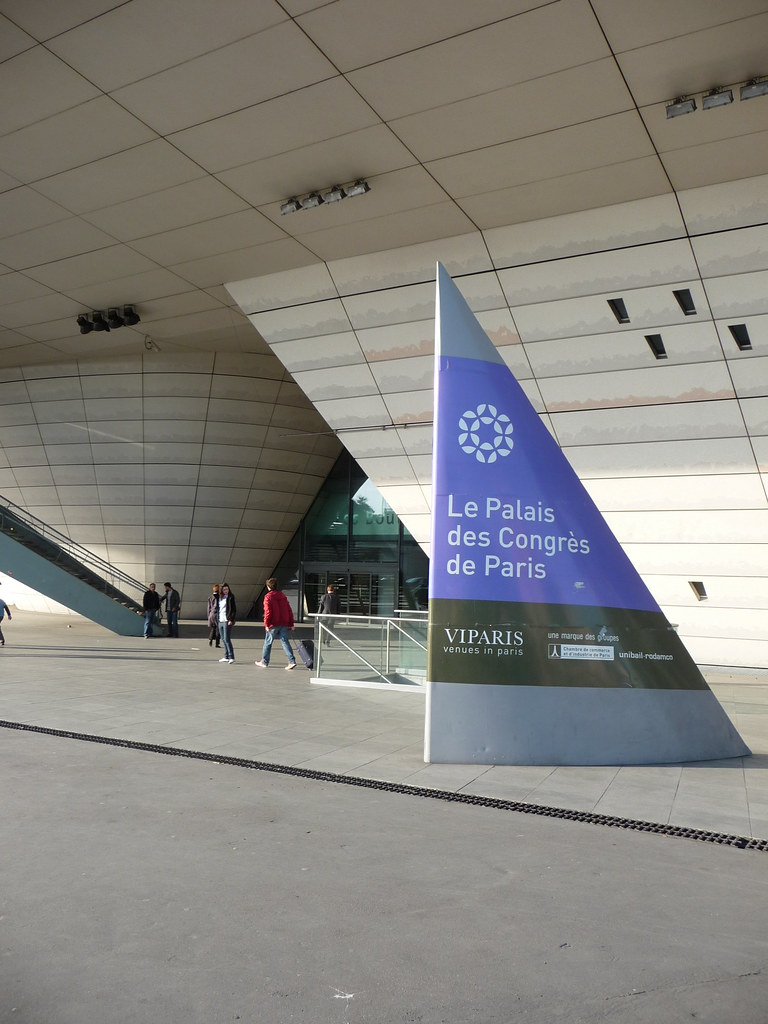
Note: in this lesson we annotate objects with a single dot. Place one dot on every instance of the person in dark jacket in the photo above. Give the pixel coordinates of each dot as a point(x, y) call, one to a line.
point(151, 606)
point(278, 622)
point(4, 610)
point(227, 618)
point(213, 617)
point(172, 609)
point(329, 605)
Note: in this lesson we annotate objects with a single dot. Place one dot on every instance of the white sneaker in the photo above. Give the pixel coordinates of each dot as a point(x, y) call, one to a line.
point(290, 665)
point(230, 661)
point(222, 660)
point(261, 664)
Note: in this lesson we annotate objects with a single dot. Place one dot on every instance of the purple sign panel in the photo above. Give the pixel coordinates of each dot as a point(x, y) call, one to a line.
point(511, 520)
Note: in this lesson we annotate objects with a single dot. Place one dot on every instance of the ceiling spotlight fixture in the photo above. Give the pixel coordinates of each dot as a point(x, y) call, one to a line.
point(681, 105)
point(311, 201)
point(130, 316)
point(114, 319)
point(716, 98)
point(291, 206)
point(754, 87)
point(99, 323)
point(333, 195)
point(84, 324)
point(359, 188)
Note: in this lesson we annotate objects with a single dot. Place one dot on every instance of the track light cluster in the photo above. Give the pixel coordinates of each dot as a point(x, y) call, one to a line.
point(321, 196)
point(718, 97)
point(114, 319)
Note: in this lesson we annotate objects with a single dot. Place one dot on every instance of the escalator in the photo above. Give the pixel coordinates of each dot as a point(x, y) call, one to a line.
point(52, 564)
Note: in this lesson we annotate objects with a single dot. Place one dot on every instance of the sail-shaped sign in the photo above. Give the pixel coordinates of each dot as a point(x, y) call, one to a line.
point(545, 645)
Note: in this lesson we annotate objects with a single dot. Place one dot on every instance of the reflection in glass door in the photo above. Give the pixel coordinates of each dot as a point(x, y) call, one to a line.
point(360, 593)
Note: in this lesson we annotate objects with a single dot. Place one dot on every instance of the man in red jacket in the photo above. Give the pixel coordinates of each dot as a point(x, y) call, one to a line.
point(278, 622)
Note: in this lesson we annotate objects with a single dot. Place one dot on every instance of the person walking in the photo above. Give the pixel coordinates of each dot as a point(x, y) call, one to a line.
point(151, 606)
point(4, 610)
point(329, 605)
point(227, 616)
point(278, 623)
point(172, 609)
point(213, 617)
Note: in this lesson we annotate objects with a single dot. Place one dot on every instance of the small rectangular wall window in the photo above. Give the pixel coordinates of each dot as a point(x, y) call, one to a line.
point(741, 336)
point(698, 588)
point(685, 301)
point(656, 345)
point(619, 310)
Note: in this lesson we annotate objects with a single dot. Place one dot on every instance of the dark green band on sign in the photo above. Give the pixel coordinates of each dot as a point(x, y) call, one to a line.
point(508, 644)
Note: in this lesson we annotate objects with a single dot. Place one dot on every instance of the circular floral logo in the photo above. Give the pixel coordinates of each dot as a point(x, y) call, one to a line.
point(485, 433)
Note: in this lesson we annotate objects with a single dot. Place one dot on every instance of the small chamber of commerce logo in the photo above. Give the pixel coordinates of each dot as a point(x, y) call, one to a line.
point(485, 433)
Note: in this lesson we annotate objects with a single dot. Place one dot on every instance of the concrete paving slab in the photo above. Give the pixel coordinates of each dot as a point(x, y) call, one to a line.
point(84, 679)
point(141, 888)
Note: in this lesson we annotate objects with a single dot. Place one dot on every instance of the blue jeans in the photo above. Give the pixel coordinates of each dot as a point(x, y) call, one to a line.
point(149, 621)
point(277, 633)
point(173, 623)
point(225, 631)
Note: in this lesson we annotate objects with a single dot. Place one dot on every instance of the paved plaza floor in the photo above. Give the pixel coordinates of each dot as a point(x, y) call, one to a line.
point(71, 675)
point(142, 888)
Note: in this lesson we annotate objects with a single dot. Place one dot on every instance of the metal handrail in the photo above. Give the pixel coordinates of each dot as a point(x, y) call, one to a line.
point(65, 544)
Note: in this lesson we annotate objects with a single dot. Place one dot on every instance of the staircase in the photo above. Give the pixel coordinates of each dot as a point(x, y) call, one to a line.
point(48, 561)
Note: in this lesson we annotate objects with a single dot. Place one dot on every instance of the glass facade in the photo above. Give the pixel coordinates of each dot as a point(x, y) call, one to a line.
point(352, 538)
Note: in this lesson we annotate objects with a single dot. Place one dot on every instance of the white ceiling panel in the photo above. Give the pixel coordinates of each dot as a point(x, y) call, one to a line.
point(305, 354)
point(83, 133)
point(714, 456)
point(395, 229)
point(398, 375)
point(115, 179)
point(141, 38)
point(35, 84)
point(533, 44)
point(549, 197)
point(328, 384)
point(306, 320)
point(697, 60)
point(53, 242)
point(687, 493)
point(403, 341)
point(528, 108)
point(629, 25)
point(587, 231)
point(606, 141)
point(23, 209)
point(355, 33)
point(647, 308)
point(312, 114)
point(715, 162)
point(722, 207)
point(732, 252)
point(750, 377)
point(738, 295)
point(394, 268)
point(337, 161)
point(635, 267)
point(684, 343)
point(249, 71)
point(632, 424)
point(659, 384)
point(220, 235)
point(203, 199)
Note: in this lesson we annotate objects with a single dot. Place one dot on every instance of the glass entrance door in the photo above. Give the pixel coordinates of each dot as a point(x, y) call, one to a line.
point(361, 591)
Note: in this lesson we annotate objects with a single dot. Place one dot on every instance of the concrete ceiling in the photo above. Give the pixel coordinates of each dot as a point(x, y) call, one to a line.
point(145, 147)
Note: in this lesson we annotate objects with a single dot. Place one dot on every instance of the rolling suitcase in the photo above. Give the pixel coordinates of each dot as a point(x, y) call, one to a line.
point(306, 649)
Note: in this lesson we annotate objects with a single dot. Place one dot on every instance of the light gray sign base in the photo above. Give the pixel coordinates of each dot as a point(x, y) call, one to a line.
point(470, 723)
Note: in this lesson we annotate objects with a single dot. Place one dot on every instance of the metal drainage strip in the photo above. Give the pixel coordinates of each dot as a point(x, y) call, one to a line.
point(589, 817)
